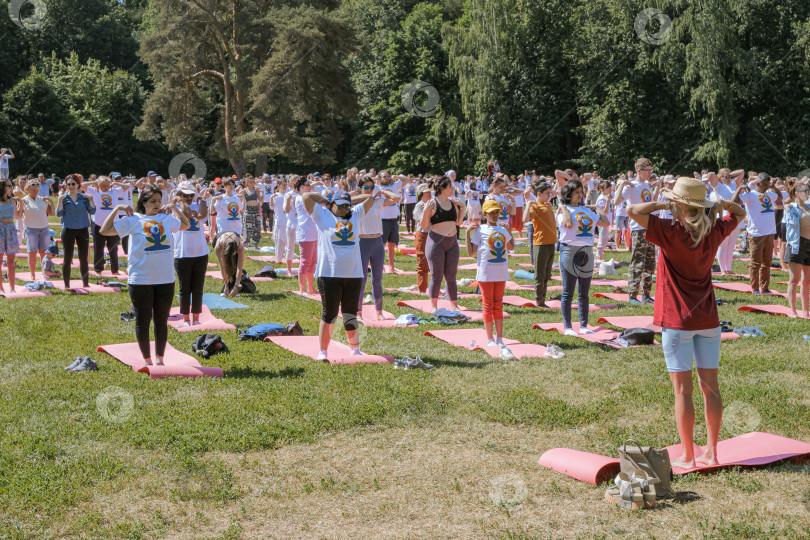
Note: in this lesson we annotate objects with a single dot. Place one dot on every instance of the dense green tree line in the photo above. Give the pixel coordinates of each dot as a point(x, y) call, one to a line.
point(255, 85)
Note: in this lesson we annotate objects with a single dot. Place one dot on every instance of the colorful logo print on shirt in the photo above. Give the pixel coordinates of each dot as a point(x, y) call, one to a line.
point(585, 222)
point(329, 194)
point(504, 210)
point(411, 190)
point(344, 232)
point(155, 235)
point(497, 247)
point(474, 196)
point(233, 211)
point(193, 221)
point(646, 196)
point(765, 201)
point(106, 202)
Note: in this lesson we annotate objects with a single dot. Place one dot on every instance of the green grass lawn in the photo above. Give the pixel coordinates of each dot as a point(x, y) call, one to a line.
point(286, 447)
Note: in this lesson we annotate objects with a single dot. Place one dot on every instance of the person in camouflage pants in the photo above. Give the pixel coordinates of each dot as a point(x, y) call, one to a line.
point(642, 265)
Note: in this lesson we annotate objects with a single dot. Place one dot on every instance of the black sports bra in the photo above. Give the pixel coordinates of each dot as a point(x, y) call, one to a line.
point(441, 215)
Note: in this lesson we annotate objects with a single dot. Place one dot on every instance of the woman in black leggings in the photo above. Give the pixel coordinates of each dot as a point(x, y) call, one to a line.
point(151, 263)
point(75, 209)
point(191, 253)
point(443, 216)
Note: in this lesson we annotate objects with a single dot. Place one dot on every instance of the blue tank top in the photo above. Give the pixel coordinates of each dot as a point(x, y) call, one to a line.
point(7, 210)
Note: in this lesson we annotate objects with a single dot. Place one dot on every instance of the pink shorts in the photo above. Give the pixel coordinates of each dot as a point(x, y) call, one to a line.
point(309, 256)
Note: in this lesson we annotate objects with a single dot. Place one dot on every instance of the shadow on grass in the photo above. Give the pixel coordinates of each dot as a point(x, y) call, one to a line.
point(457, 363)
point(250, 373)
point(268, 296)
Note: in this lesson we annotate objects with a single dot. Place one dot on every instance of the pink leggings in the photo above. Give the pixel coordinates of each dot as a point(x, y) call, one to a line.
point(309, 256)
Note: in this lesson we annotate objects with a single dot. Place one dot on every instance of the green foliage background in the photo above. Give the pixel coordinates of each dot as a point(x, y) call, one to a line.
point(107, 84)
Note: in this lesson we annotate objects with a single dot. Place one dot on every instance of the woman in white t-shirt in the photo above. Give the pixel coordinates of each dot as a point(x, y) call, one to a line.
point(503, 195)
point(276, 203)
point(473, 205)
point(339, 270)
point(409, 202)
point(576, 227)
point(151, 264)
point(35, 221)
point(603, 203)
point(191, 253)
point(292, 222)
point(229, 207)
point(493, 243)
point(306, 234)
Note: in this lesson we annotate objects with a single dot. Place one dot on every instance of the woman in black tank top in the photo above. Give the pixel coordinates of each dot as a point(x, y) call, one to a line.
point(443, 216)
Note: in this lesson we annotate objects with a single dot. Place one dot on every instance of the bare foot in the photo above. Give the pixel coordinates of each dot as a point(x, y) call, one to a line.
point(806, 315)
point(793, 315)
point(455, 307)
point(708, 459)
point(313, 291)
point(683, 463)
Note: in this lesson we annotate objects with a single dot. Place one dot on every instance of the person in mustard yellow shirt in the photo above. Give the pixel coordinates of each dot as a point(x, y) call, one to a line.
point(541, 214)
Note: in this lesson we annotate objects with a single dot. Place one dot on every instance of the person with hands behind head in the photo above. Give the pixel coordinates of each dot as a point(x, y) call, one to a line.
point(36, 210)
point(339, 270)
point(443, 216)
point(191, 252)
point(151, 227)
point(759, 203)
point(540, 214)
point(685, 308)
point(75, 210)
point(104, 195)
point(576, 225)
point(493, 243)
point(797, 240)
point(11, 208)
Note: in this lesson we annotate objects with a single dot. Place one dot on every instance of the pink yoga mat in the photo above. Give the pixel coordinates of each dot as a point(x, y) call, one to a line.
point(751, 449)
point(22, 292)
point(216, 274)
point(308, 296)
point(77, 287)
point(122, 276)
point(743, 288)
point(460, 295)
point(399, 272)
point(519, 301)
point(268, 259)
point(770, 309)
point(600, 335)
point(426, 307)
point(474, 266)
point(177, 364)
point(646, 321)
point(720, 274)
point(610, 282)
point(59, 261)
point(512, 286)
point(463, 336)
point(208, 321)
point(616, 297)
point(338, 353)
point(370, 320)
point(407, 250)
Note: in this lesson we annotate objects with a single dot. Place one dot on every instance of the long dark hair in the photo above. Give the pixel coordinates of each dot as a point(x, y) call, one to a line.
point(440, 184)
point(147, 193)
point(568, 189)
point(3, 184)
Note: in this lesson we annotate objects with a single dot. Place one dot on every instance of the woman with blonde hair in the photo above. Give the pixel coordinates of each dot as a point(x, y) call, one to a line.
point(36, 210)
point(685, 308)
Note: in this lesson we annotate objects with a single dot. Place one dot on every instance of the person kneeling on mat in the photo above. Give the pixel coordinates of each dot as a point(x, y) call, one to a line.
point(338, 270)
point(231, 256)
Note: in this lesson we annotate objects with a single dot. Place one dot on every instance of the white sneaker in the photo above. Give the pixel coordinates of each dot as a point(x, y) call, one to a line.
point(586, 331)
point(321, 356)
point(506, 354)
point(491, 343)
point(368, 299)
point(570, 332)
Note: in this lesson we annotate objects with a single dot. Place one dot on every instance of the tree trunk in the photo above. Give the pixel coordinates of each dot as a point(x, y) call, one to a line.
point(239, 166)
point(261, 165)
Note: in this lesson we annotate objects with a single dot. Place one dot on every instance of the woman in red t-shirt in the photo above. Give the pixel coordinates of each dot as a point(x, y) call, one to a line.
point(685, 307)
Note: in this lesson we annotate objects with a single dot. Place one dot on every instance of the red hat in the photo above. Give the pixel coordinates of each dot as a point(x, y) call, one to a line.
point(217, 180)
point(234, 177)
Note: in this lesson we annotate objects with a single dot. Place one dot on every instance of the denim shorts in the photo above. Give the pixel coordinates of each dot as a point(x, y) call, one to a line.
point(681, 346)
point(37, 239)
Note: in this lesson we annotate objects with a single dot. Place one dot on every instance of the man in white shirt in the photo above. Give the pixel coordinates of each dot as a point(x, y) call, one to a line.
point(642, 262)
point(105, 198)
point(759, 203)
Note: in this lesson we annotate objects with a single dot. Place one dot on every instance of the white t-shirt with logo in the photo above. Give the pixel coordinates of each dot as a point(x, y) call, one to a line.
point(637, 194)
point(105, 201)
point(409, 194)
point(392, 211)
point(229, 218)
point(503, 202)
point(4, 161)
point(191, 242)
point(327, 192)
point(306, 231)
point(151, 247)
point(584, 223)
point(338, 243)
point(603, 202)
point(761, 218)
point(124, 197)
point(474, 204)
point(519, 196)
point(492, 255)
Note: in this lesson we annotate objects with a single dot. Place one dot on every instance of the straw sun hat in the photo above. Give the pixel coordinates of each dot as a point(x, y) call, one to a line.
point(689, 192)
